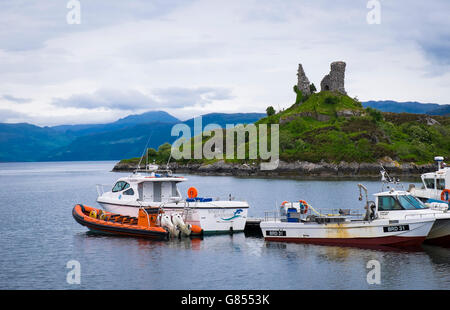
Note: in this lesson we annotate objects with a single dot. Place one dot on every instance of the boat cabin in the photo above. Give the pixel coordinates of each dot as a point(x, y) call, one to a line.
point(153, 188)
point(391, 204)
point(434, 184)
point(437, 181)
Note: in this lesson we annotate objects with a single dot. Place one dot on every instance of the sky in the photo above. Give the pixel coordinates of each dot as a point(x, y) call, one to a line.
point(191, 57)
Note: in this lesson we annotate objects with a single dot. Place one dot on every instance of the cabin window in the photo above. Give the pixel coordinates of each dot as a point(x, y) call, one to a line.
point(429, 183)
point(174, 190)
point(408, 202)
point(388, 203)
point(416, 202)
point(120, 186)
point(157, 191)
point(129, 192)
point(440, 184)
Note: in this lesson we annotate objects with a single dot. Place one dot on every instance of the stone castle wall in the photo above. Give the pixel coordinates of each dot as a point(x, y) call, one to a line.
point(334, 81)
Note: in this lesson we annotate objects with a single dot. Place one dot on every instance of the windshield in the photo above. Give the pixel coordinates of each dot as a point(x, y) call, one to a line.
point(409, 202)
point(416, 202)
point(120, 186)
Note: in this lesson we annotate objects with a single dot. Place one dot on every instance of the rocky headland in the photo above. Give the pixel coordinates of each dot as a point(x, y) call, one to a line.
point(295, 169)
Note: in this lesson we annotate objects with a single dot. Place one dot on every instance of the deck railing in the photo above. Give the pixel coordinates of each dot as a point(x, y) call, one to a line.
point(101, 188)
point(275, 215)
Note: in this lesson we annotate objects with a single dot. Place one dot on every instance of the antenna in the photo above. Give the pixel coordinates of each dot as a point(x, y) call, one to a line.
point(387, 179)
point(170, 156)
point(145, 151)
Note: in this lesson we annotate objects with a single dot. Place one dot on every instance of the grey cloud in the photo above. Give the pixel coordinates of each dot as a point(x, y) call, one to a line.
point(173, 97)
point(182, 97)
point(438, 50)
point(35, 22)
point(424, 22)
point(7, 115)
point(108, 98)
point(15, 99)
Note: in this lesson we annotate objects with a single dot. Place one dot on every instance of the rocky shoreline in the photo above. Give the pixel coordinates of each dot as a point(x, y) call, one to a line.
point(296, 169)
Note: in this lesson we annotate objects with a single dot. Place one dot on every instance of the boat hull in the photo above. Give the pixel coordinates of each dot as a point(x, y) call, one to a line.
point(376, 241)
point(97, 225)
point(210, 216)
point(381, 233)
point(440, 233)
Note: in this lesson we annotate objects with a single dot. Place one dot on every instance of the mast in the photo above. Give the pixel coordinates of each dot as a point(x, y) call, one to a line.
point(145, 151)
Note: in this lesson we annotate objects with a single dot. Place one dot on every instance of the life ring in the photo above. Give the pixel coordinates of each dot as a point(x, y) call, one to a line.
point(192, 192)
point(302, 202)
point(445, 195)
point(283, 203)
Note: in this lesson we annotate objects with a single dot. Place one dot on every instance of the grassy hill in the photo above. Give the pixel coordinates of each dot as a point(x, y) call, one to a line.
point(332, 127)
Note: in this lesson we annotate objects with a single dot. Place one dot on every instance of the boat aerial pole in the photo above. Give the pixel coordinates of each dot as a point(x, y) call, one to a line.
point(145, 151)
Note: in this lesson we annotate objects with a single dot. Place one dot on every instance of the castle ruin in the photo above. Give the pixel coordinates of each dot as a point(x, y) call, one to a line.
point(302, 81)
point(334, 81)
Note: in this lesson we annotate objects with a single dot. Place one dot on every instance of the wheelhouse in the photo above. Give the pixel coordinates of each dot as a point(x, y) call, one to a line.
point(147, 188)
point(395, 201)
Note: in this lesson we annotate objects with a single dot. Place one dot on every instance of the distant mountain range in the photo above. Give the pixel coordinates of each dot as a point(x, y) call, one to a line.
point(123, 138)
point(409, 107)
point(127, 136)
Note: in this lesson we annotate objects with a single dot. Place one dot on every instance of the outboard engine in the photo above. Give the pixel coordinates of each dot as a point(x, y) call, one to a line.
point(177, 220)
point(167, 224)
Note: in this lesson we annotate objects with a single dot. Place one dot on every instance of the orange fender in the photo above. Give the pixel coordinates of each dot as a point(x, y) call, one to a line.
point(196, 230)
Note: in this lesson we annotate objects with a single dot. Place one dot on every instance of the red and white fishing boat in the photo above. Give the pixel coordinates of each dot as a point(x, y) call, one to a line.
point(395, 218)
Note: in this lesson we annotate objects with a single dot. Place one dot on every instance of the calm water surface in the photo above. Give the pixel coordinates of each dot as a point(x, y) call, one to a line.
point(39, 236)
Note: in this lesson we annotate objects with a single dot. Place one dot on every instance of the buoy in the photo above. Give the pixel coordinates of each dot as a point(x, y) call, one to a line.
point(192, 192)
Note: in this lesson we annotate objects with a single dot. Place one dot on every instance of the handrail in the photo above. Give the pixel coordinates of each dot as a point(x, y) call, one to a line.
point(148, 218)
point(100, 188)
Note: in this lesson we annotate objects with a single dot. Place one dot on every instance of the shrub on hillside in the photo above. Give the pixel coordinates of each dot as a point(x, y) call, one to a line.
point(331, 100)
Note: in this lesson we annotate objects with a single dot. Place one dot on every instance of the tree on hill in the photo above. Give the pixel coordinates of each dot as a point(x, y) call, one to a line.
point(270, 111)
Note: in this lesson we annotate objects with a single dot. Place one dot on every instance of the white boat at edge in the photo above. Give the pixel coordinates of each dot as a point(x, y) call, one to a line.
point(160, 190)
point(435, 185)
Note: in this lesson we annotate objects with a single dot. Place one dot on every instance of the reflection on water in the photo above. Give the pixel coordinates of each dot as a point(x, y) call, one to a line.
point(39, 236)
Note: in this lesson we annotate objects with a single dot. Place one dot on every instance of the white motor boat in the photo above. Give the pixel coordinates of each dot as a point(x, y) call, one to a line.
point(396, 218)
point(159, 189)
point(435, 186)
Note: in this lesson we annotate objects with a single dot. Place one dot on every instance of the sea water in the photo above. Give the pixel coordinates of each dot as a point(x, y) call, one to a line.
point(39, 237)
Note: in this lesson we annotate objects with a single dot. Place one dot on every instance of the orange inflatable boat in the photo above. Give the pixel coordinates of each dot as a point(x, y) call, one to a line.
point(145, 225)
point(106, 222)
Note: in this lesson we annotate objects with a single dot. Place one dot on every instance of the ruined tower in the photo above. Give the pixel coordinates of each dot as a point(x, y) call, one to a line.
point(334, 81)
point(303, 82)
